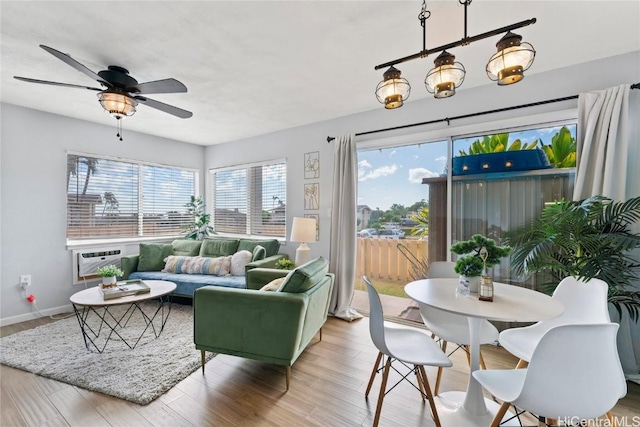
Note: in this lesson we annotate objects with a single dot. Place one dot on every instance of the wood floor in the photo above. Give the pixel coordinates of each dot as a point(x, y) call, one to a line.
point(327, 389)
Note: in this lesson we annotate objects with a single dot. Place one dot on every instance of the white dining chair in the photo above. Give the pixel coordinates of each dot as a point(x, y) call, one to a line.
point(449, 327)
point(407, 346)
point(574, 374)
point(585, 302)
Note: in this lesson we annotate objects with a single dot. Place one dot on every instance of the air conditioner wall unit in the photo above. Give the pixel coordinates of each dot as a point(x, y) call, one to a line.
point(86, 262)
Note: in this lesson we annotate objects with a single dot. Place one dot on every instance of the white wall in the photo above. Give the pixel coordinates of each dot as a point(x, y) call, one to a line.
point(293, 143)
point(33, 145)
point(33, 210)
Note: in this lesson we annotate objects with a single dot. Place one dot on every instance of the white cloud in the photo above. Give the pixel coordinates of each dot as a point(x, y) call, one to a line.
point(393, 153)
point(364, 164)
point(441, 159)
point(364, 175)
point(416, 175)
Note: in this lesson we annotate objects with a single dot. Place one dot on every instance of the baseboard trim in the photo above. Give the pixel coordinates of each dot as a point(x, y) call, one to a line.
point(34, 315)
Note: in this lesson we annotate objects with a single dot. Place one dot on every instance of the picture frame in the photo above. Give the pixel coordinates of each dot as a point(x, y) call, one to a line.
point(317, 218)
point(312, 165)
point(312, 196)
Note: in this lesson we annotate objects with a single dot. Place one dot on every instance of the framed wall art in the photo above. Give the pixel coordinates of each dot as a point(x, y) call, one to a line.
point(312, 196)
point(317, 218)
point(312, 165)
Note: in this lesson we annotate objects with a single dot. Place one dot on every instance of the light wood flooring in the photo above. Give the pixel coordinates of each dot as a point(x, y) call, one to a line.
point(327, 389)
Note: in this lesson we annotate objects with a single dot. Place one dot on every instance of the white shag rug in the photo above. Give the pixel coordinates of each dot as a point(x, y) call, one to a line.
point(57, 351)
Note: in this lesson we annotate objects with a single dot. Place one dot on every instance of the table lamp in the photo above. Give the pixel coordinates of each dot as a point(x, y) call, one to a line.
point(303, 231)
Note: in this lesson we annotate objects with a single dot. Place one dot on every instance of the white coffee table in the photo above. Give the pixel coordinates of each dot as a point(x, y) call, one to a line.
point(90, 301)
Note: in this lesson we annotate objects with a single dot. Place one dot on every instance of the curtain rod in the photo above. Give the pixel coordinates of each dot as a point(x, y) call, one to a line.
point(466, 116)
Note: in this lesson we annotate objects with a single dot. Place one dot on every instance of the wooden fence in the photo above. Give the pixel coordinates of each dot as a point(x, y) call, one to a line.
point(381, 258)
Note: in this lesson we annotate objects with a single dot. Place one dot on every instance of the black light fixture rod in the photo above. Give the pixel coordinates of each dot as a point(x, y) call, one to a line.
point(465, 41)
point(466, 116)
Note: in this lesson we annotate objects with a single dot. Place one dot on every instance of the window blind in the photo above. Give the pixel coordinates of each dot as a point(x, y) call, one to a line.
point(120, 198)
point(251, 200)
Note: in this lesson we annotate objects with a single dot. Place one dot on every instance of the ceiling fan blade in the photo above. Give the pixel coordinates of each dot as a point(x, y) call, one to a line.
point(47, 82)
point(178, 112)
point(158, 86)
point(75, 64)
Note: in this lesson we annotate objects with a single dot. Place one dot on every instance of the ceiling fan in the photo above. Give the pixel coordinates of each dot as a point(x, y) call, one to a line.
point(120, 93)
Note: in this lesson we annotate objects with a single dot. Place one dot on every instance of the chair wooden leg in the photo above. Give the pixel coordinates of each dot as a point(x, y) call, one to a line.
point(466, 350)
point(436, 389)
point(434, 411)
point(419, 379)
point(500, 414)
point(288, 376)
point(612, 421)
point(383, 387)
point(202, 360)
point(551, 421)
point(320, 334)
point(505, 406)
point(373, 374)
point(482, 364)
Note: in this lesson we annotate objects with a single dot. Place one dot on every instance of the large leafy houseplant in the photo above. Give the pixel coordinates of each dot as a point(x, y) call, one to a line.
point(199, 228)
point(589, 238)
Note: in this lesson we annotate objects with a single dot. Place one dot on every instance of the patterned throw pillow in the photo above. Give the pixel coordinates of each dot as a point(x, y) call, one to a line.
point(220, 266)
point(273, 285)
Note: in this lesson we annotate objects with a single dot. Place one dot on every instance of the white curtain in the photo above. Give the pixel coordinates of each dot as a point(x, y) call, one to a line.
point(604, 132)
point(603, 143)
point(343, 227)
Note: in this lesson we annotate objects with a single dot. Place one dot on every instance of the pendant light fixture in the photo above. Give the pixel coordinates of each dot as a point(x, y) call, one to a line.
point(513, 58)
point(447, 75)
point(117, 104)
point(507, 66)
point(393, 90)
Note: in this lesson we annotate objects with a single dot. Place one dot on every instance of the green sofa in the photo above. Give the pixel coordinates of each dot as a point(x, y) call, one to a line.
point(270, 326)
point(205, 261)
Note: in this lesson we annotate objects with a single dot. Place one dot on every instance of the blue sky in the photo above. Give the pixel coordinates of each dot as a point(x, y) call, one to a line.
point(394, 175)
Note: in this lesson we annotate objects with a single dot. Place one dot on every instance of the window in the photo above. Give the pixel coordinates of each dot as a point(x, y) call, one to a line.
point(251, 199)
point(109, 198)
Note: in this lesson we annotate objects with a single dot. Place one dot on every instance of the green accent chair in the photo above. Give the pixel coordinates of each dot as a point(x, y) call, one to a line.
point(270, 326)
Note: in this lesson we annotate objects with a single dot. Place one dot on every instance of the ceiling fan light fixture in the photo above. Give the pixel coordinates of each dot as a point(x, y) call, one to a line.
point(507, 66)
point(393, 90)
point(447, 75)
point(117, 104)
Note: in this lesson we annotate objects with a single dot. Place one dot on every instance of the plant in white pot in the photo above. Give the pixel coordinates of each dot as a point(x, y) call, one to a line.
point(109, 274)
point(471, 264)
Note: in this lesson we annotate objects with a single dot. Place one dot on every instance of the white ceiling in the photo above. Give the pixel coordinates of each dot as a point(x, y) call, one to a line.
point(257, 67)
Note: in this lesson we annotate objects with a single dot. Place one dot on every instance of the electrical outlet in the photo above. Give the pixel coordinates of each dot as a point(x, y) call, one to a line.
point(25, 281)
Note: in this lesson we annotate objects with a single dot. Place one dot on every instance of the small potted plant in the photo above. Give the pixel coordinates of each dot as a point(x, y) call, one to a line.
point(108, 274)
point(471, 264)
point(285, 264)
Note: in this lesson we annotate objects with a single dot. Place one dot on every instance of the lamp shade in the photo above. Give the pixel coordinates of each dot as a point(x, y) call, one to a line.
point(303, 230)
point(393, 90)
point(447, 75)
point(117, 104)
point(513, 58)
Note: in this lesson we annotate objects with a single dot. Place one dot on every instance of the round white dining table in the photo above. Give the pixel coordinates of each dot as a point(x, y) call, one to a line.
point(510, 304)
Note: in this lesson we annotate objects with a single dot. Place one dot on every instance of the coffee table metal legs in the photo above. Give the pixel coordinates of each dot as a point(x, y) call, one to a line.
point(115, 323)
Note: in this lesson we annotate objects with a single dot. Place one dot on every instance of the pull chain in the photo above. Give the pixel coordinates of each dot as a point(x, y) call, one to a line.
point(119, 127)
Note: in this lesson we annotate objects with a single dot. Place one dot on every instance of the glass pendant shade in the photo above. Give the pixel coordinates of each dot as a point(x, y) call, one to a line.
point(513, 58)
point(447, 75)
point(393, 90)
point(117, 104)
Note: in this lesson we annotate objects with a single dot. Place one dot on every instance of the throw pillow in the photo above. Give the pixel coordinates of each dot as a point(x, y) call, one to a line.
point(218, 247)
point(271, 246)
point(152, 256)
point(186, 247)
point(197, 265)
point(259, 253)
point(238, 261)
point(273, 285)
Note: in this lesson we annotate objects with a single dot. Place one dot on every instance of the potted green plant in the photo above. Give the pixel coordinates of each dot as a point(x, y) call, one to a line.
point(285, 264)
point(108, 274)
point(589, 238)
point(473, 259)
point(199, 228)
